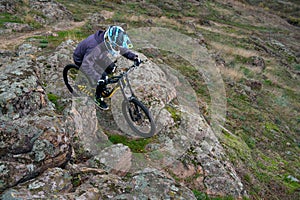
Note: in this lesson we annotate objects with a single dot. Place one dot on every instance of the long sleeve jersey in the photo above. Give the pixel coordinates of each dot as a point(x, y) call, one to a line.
point(91, 55)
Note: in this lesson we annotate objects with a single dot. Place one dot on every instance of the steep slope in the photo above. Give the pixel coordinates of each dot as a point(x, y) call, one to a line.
point(256, 50)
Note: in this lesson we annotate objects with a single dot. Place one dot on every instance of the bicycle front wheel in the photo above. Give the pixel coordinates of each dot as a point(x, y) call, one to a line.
point(138, 117)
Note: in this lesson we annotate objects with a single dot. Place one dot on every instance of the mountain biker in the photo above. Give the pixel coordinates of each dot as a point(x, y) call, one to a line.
point(92, 56)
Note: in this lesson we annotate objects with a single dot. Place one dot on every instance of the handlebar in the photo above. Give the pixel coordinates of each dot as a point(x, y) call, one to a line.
point(115, 79)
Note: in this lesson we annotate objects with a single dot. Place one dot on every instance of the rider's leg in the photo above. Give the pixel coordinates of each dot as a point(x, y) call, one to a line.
point(110, 69)
point(100, 89)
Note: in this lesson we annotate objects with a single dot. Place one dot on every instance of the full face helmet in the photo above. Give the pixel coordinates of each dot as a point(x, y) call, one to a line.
point(115, 38)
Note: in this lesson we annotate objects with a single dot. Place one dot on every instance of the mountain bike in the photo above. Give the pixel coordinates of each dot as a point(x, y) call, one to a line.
point(135, 112)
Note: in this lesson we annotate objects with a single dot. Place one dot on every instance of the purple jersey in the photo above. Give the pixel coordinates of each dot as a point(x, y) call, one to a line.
point(91, 55)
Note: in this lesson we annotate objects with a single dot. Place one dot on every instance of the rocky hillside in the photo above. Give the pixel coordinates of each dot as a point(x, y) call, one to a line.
point(222, 84)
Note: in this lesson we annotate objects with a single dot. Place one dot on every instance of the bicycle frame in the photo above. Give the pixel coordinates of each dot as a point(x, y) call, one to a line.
point(123, 83)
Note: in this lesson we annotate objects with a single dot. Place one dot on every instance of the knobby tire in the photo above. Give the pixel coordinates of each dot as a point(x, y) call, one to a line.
point(138, 106)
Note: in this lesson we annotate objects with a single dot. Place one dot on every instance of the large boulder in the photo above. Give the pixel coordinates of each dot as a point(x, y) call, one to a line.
point(21, 92)
point(52, 10)
point(58, 183)
point(33, 137)
point(51, 68)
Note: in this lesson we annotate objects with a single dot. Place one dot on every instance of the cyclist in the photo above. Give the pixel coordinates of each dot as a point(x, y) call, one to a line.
point(92, 56)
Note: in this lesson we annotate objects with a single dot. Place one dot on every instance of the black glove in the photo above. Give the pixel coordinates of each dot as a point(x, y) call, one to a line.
point(137, 61)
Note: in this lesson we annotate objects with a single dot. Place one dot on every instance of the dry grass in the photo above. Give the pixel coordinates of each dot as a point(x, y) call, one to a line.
point(166, 20)
point(28, 19)
point(134, 18)
point(274, 79)
point(233, 50)
point(219, 29)
point(231, 73)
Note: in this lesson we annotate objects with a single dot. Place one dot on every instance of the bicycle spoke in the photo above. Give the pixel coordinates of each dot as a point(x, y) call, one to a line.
point(138, 118)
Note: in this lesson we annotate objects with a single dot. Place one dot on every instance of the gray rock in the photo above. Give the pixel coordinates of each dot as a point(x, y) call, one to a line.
point(254, 84)
point(97, 20)
point(20, 91)
point(52, 10)
point(5, 31)
point(57, 183)
point(257, 61)
point(33, 137)
point(26, 49)
point(8, 6)
point(51, 68)
point(51, 183)
point(17, 27)
point(117, 158)
point(153, 184)
point(32, 145)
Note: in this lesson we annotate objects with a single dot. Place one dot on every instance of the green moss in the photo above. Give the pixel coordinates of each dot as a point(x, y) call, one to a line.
point(43, 43)
point(49, 43)
point(56, 101)
point(6, 17)
point(250, 141)
point(269, 126)
point(296, 67)
point(242, 59)
point(175, 114)
point(247, 178)
point(237, 148)
point(200, 195)
point(247, 71)
point(135, 145)
point(203, 196)
point(291, 184)
point(76, 180)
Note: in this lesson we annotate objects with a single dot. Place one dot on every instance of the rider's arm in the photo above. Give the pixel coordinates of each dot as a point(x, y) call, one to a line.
point(79, 53)
point(128, 54)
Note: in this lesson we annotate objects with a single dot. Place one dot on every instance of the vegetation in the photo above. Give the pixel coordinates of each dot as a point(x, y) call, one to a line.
point(135, 145)
point(56, 100)
point(6, 17)
point(203, 196)
point(260, 145)
point(263, 142)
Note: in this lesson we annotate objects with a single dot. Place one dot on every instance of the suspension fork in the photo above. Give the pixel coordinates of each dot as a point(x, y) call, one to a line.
point(123, 83)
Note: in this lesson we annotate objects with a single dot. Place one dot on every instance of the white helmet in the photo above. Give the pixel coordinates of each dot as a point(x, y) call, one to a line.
point(116, 38)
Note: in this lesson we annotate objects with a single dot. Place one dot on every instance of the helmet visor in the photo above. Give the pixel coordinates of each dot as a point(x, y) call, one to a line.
point(118, 37)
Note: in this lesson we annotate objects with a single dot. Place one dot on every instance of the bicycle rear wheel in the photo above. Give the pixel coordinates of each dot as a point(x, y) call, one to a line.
point(138, 117)
point(76, 82)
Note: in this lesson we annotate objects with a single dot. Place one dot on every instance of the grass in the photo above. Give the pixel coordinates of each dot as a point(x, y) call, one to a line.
point(249, 120)
point(175, 114)
point(258, 143)
point(56, 101)
point(6, 17)
point(49, 43)
point(203, 196)
point(135, 145)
